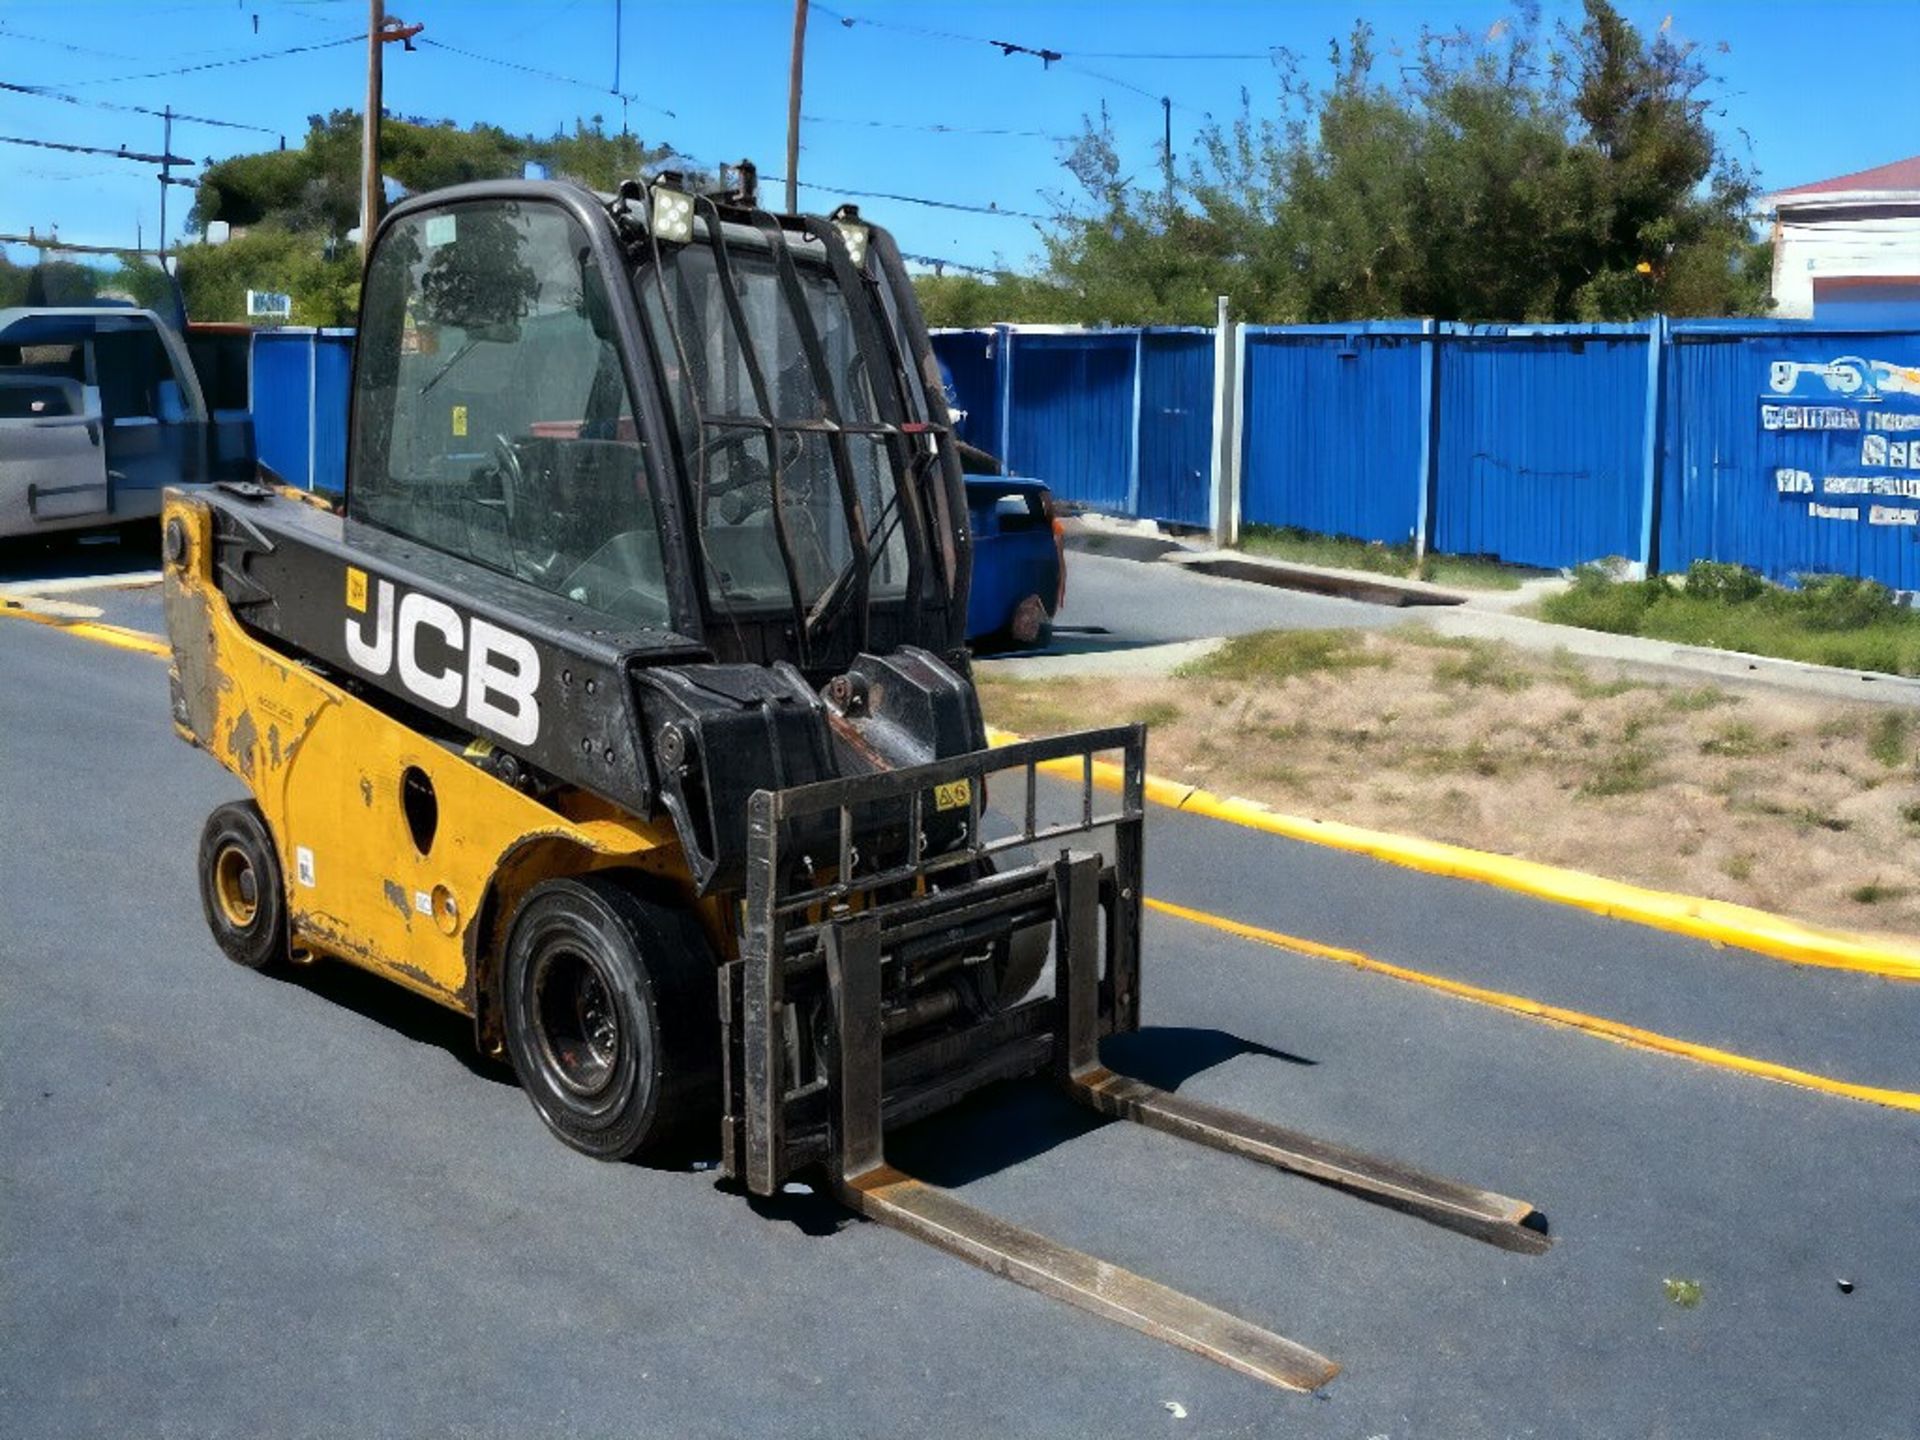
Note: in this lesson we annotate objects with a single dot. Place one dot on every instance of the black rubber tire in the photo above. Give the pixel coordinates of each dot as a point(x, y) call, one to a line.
point(242, 888)
point(641, 977)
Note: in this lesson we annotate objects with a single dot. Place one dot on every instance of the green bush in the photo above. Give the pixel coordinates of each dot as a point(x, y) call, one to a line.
point(1716, 580)
point(1829, 620)
point(1840, 602)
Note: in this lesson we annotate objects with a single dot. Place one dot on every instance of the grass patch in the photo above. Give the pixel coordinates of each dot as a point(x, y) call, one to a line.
point(1155, 712)
point(1911, 814)
point(1684, 1293)
point(1690, 702)
point(1341, 552)
point(1628, 771)
point(1270, 655)
point(1889, 740)
point(1484, 666)
point(1740, 741)
point(1874, 893)
point(1571, 673)
point(1737, 867)
point(1830, 620)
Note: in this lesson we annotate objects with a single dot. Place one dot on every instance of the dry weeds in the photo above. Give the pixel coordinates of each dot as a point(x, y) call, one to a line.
point(1802, 806)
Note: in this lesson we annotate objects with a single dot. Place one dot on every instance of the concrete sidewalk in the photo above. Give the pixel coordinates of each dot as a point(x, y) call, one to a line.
point(1469, 614)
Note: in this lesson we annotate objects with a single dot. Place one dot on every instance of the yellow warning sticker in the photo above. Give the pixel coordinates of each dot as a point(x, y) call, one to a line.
point(952, 795)
point(460, 420)
point(356, 589)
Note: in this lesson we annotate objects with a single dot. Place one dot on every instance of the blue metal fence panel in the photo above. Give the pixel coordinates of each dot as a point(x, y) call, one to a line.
point(1176, 426)
point(1793, 449)
point(283, 403)
point(1331, 429)
point(1542, 441)
point(333, 378)
point(972, 361)
point(1072, 422)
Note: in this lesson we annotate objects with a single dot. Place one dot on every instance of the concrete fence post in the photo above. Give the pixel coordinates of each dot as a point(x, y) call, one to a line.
point(313, 403)
point(1427, 475)
point(1223, 509)
point(1650, 449)
point(1003, 372)
point(1139, 420)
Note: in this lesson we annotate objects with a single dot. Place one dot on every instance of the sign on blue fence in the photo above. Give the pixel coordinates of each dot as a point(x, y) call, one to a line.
point(1858, 419)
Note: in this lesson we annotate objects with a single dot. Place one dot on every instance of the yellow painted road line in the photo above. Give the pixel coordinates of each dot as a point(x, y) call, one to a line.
point(1553, 1014)
point(116, 635)
point(1715, 920)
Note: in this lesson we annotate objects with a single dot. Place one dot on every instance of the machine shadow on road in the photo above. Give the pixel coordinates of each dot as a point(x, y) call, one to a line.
point(401, 1011)
point(1012, 1122)
point(92, 554)
point(1007, 1124)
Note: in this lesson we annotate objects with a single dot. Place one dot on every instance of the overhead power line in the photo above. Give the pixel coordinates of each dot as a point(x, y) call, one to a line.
point(940, 262)
point(1048, 56)
point(44, 93)
point(919, 200)
point(935, 129)
point(223, 64)
point(988, 209)
point(120, 154)
point(67, 45)
point(553, 75)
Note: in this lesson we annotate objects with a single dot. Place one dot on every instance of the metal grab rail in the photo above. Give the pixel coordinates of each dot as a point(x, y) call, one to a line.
point(915, 782)
point(771, 909)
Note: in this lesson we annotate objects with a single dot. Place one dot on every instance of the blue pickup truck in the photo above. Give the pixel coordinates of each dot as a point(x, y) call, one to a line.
point(1019, 562)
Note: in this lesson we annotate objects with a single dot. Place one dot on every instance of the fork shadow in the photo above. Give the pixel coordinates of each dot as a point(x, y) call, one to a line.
point(1006, 1124)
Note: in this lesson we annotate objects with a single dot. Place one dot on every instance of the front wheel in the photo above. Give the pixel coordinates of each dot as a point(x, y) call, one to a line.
point(611, 1018)
point(241, 888)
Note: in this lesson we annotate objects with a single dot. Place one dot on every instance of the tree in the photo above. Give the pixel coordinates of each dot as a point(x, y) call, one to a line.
point(291, 209)
point(1506, 177)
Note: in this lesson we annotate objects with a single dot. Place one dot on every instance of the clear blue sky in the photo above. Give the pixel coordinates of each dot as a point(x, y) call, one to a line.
point(1821, 86)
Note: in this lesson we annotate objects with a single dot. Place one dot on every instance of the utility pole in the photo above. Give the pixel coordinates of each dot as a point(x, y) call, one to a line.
point(1166, 121)
point(166, 179)
point(370, 130)
point(794, 72)
point(381, 30)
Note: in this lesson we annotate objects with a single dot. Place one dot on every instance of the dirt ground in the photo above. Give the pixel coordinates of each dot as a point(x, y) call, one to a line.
point(1805, 807)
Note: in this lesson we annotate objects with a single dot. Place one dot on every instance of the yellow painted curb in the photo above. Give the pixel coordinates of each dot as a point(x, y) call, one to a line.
point(117, 635)
point(1553, 1014)
point(1703, 919)
point(1715, 920)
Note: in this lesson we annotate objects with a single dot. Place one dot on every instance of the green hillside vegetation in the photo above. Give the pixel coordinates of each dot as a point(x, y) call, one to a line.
point(296, 206)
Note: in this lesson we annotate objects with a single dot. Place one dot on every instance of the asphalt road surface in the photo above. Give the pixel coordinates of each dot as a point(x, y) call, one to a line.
point(234, 1204)
point(1115, 603)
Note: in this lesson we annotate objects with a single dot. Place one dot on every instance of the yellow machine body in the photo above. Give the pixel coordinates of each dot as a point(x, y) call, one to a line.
point(329, 772)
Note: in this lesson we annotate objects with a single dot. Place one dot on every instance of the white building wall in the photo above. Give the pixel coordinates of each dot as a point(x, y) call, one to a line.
point(1813, 244)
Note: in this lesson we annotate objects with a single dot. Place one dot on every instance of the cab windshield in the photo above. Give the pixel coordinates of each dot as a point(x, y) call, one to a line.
point(793, 471)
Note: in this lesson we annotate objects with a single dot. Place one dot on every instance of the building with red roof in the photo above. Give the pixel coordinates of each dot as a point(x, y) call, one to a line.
point(1849, 248)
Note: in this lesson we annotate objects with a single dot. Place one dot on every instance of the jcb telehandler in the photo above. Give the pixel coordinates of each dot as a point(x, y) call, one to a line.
point(623, 708)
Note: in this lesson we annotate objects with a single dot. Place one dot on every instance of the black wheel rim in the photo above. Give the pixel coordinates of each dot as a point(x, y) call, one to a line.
point(576, 1022)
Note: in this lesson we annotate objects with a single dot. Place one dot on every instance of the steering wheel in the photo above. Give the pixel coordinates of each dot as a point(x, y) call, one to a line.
point(513, 476)
point(749, 473)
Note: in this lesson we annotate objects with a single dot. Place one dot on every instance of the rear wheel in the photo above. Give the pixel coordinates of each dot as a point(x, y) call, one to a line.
point(241, 888)
point(609, 1003)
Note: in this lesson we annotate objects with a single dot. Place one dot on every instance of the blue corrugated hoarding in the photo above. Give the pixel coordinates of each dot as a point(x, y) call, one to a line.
point(1176, 426)
point(1072, 422)
point(300, 380)
point(1541, 441)
point(1788, 447)
point(1793, 449)
point(1332, 428)
point(972, 358)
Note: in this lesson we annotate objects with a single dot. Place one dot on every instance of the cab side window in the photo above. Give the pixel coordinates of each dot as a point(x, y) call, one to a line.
point(493, 419)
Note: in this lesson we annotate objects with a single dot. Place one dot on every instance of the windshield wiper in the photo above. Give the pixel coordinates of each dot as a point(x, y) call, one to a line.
point(452, 360)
